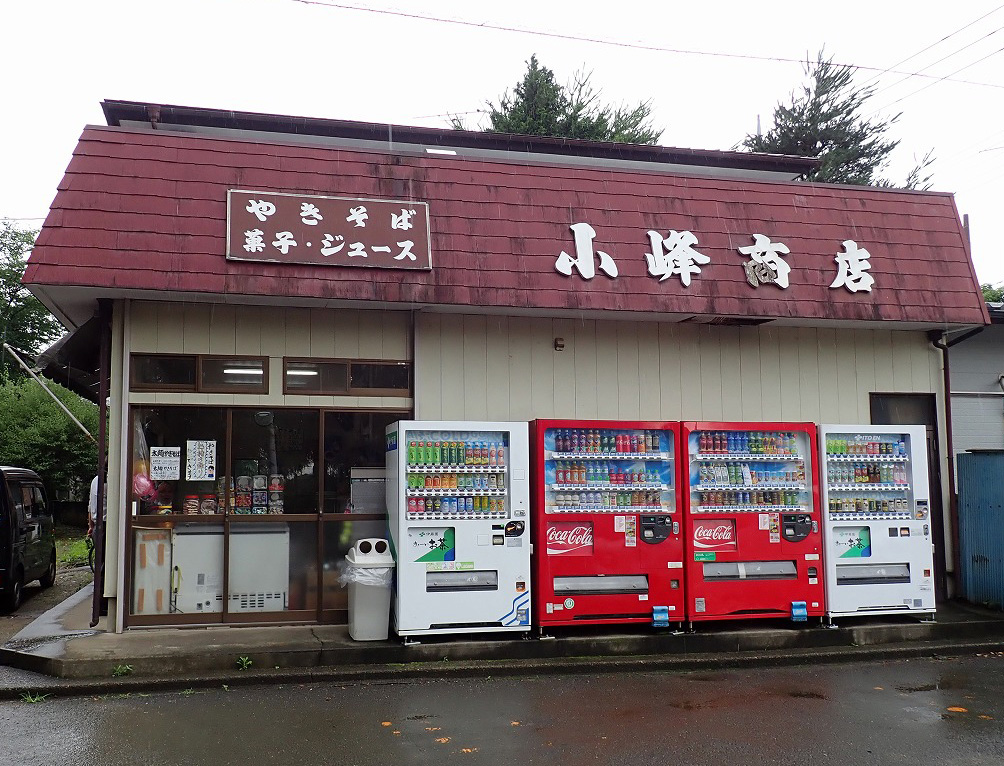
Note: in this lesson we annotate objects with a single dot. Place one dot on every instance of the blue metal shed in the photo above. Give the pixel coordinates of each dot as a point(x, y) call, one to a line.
point(981, 526)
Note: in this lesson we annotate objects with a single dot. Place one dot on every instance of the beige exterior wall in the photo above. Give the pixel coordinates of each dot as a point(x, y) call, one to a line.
point(503, 368)
point(507, 368)
point(275, 332)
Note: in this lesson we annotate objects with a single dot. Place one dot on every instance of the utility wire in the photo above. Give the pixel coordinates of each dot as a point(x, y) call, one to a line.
point(613, 43)
point(932, 45)
point(940, 79)
point(935, 63)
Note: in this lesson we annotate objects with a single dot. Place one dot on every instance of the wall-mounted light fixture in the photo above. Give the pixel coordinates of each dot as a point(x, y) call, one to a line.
point(559, 344)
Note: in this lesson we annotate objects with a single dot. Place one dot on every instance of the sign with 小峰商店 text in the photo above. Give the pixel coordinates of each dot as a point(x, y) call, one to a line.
point(327, 231)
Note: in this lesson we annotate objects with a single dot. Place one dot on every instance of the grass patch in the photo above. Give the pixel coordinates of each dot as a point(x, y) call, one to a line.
point(71, 546)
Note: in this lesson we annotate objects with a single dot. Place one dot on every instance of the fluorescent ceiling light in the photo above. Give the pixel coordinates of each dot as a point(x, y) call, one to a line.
point(302, 372)
point(244, 371)
point(441, 151)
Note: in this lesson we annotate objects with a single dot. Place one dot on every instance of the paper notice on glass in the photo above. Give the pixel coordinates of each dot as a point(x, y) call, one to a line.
point(165, 463)
point(200, 463)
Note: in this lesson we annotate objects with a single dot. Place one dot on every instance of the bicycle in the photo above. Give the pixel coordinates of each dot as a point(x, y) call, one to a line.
point(89, 542)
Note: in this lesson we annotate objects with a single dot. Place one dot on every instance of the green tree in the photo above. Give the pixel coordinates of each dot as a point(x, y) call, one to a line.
point(24, 321)
point(826, 119)
point(540, 106)
point(992, 294)
point(36, 434)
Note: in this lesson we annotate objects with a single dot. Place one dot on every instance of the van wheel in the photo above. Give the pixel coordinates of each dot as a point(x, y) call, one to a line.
point(12, 596)
point(49, 578)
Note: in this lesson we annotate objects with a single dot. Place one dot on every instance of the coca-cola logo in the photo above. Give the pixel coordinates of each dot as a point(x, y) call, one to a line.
point(565, 538)
point(719, 535)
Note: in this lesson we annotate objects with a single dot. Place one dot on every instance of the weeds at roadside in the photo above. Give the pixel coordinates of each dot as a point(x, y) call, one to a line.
point(121, 670)
point(32, 698)
point(244, 662)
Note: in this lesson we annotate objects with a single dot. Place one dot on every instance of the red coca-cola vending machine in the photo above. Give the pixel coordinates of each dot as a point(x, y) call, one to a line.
point(607, 523)
point(752, 521)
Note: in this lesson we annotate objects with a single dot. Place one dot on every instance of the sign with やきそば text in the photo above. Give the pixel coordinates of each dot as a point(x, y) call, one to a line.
point(327, 231)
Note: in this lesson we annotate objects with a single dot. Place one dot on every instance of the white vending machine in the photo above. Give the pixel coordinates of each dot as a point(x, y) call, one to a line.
point(878, 526)
point(458, 498)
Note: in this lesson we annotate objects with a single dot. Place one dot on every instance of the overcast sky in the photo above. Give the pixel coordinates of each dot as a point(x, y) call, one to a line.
point(710, 68)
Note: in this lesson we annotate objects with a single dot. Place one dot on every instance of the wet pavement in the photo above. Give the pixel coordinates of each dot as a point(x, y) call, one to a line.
point(38, 600)
point(904, 712)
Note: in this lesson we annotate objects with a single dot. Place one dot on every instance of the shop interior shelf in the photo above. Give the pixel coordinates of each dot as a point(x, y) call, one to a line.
point(867, 458)
point(708, 457)
point(869, 487)
point(443, 468)
point(551, 455)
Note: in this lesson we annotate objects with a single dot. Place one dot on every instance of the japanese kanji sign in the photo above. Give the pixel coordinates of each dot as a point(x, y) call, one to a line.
point(327, 231)
point(674, 255)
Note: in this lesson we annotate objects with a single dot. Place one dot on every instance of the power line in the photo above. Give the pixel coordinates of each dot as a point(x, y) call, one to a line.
point(940, 79)
point(932, 45)
point(943, 58)
point(612, 43)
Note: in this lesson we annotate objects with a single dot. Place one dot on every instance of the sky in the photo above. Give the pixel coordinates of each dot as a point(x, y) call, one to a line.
point(711, 70)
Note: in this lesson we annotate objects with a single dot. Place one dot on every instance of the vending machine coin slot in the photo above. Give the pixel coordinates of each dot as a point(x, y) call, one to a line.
point(795, 526)
point(655, 529)
point(514, 528)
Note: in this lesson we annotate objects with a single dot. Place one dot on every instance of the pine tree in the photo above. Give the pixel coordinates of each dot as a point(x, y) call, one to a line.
point(539, 106)
point(826, 120)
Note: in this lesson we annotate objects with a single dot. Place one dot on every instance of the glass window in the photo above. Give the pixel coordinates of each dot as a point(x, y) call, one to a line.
point(176, 451)
point(305, 377)
point(274, 466)
point(394, 376)
point(352, 440)
point(272, 567)
point(163, 372)
point(233, 374)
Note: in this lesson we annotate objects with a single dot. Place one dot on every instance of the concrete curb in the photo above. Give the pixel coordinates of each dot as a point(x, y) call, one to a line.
point(54, 688)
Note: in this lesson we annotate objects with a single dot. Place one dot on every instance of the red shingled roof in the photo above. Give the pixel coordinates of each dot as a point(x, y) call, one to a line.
point(146, 210)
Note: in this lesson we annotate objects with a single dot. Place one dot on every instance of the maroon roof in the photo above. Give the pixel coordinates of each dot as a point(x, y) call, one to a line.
point(146, 210)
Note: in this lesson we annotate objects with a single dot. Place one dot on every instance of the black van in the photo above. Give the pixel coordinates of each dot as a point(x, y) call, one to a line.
point(27, 538)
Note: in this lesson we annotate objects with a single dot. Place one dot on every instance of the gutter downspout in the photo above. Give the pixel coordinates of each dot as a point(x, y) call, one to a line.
point(938, 340)
point(104, 373)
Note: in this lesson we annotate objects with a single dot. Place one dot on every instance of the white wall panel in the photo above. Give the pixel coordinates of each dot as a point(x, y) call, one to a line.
point(629, 370)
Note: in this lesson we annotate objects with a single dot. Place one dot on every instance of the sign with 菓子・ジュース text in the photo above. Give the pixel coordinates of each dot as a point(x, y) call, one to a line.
point(327, 231)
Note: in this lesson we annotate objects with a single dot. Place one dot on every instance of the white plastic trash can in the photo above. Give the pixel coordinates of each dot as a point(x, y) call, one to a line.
point(369, 571)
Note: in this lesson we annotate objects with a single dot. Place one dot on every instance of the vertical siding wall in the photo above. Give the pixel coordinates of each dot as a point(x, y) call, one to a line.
point(275, 332)
point(506, 368)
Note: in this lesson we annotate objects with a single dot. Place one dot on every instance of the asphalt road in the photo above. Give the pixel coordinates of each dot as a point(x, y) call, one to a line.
point(907, 712)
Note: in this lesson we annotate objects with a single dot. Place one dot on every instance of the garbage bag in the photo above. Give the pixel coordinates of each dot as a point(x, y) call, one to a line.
point(380, 577)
